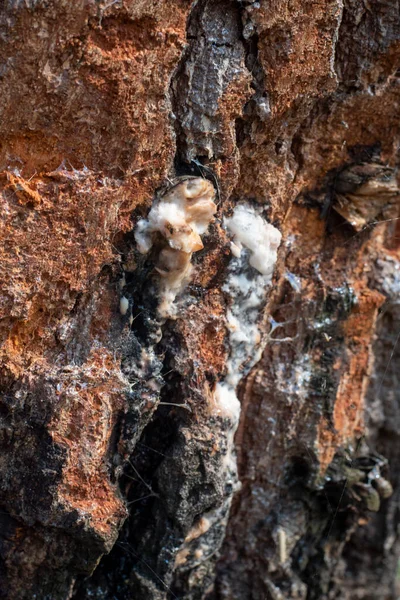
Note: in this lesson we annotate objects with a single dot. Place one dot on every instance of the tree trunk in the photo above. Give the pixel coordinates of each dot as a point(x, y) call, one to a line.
point(200, 299)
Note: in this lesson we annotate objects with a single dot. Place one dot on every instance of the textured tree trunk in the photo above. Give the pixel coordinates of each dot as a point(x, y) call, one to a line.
point(200, 207)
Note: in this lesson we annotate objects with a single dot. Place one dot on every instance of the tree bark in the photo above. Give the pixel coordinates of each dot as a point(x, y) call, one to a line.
point(128, 467)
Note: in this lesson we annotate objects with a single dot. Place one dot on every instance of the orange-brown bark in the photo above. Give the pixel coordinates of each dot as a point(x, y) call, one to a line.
point(113, 440)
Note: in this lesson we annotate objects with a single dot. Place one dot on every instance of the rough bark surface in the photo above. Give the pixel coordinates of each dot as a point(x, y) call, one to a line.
point(118, 474)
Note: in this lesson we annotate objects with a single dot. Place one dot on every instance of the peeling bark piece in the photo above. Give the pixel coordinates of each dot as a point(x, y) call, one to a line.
point(366, 193)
